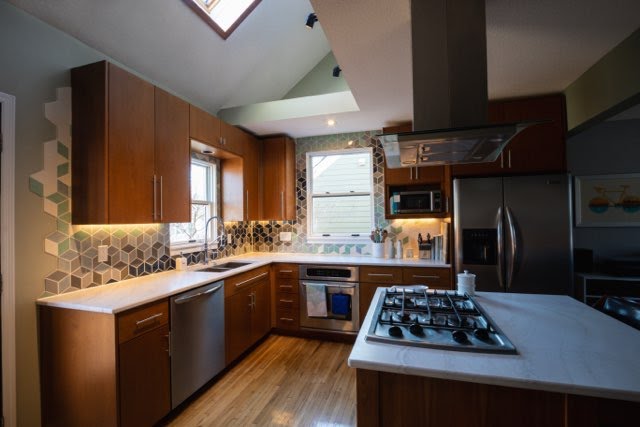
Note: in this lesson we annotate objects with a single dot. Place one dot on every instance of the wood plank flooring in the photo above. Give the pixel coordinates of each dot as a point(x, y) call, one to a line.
point(286, 381)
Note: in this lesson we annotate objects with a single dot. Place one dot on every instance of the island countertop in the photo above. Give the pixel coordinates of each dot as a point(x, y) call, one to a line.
point(563, 346)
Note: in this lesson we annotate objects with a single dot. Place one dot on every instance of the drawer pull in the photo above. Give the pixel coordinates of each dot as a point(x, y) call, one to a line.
point(244, 282)
point(288, 301)
point(286, 286)
point(380, 274)
point(285, 271)
point(148, 319)
point(286, 319)
point(417, 276)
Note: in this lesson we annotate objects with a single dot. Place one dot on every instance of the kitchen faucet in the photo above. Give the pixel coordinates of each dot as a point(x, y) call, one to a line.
point(221, 237)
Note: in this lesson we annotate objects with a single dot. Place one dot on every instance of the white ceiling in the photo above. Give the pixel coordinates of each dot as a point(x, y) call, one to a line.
point(533, 47)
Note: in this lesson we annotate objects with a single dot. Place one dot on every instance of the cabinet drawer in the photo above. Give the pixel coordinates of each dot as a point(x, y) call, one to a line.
point(391, 275)
point(136, 322)
point(439, 278)
point(288, 319)
point(285, 271)
point(235, 284)
point(287, 286)
point(287, 301)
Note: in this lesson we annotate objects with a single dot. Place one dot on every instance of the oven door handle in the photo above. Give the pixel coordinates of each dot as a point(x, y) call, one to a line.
point(333, 285)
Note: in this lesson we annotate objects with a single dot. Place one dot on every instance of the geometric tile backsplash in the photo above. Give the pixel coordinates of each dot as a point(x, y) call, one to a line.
point(142, 249)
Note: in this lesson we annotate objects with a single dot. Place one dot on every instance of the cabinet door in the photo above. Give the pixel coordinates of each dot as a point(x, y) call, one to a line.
point(252, 199)
point(539, 148)
point(435, 278)
point(237, 323)
point(398, 176)
point(145, 390)
point(172, 158)
point(131, 148)
point(261, 315)
point(204, 127)
point(279, 202)
point(232, 138)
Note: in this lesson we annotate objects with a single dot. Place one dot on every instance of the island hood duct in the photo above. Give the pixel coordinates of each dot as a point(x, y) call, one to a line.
point(449, 50)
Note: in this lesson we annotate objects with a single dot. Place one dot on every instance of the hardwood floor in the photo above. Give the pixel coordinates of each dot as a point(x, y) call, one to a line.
point(286, 381)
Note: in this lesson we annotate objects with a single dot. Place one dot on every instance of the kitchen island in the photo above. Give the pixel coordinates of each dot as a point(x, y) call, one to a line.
point(574, 367)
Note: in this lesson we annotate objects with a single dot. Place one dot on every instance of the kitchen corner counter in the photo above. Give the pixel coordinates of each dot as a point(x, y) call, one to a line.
point(130, 293)
point(563, 346)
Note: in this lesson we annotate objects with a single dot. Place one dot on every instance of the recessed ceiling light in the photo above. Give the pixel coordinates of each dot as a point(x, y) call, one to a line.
point(331, 122)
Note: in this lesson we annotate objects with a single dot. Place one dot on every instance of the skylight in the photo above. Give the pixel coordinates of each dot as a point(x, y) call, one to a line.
point(224, 16)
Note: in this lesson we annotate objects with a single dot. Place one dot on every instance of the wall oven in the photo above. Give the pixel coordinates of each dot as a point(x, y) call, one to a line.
point(329, 298)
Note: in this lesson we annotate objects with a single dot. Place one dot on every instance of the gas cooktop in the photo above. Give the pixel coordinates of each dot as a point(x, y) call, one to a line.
point(447, 320)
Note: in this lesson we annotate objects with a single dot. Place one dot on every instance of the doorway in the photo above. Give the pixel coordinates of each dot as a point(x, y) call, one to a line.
point(7, 259)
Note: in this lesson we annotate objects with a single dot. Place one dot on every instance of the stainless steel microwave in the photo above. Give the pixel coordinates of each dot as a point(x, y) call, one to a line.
point(411, 202)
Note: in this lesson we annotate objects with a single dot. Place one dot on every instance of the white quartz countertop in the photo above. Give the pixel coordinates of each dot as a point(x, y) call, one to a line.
point(563, 346)
point(127, 294)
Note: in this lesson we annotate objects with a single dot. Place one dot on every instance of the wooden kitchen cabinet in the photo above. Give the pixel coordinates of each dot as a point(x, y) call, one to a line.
point(115, 178)
point(247, 311)
point(172, 157)
point(252, 156)
point(212, 131)
point(540, 148)
point(286, 297)
point(103, 369)
point(435, 278)
point(279, 178)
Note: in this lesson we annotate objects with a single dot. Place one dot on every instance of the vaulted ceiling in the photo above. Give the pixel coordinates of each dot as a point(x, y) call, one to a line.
point(533, 47)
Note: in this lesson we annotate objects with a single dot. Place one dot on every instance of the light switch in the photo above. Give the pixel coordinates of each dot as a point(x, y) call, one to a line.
point(285, 236)
point(103, 253)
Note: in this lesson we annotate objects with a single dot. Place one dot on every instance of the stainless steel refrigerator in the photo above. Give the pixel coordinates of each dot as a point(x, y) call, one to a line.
point(514, 233)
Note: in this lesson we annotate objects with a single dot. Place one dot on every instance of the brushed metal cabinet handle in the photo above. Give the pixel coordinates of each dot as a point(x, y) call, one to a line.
point(148, 319)
point(285, 271)
point(501, 161)
point(509, 158)
point(380, 274)
point(282, 204)
point(247, 207)
point(288, 301)
point(410, 174)
point(418, 175)
point(418, 276)
point(251, 280)
point(154, 198)
point(161, 199)
point(286, 319)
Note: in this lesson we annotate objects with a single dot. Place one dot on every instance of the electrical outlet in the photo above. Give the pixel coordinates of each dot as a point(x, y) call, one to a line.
point(230, 238)
point(285, 236)
point(103, 253)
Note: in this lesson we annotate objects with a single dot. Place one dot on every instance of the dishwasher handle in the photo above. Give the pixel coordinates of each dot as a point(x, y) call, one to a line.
point(183, 300)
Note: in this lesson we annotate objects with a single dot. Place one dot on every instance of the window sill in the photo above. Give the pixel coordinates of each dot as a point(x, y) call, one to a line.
point(187, 248)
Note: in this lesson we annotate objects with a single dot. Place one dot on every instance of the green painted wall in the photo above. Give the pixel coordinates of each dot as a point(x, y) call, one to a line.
point(319, 80)
point(614, 79)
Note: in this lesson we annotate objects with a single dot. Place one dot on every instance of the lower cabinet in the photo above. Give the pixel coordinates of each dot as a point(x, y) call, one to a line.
point(247, 311)
point(102, 369)
point(286, 296)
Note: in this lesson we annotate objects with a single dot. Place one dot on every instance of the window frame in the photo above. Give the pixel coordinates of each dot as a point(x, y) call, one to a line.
point(202, 10)
point(213, 172)
point(344, 238)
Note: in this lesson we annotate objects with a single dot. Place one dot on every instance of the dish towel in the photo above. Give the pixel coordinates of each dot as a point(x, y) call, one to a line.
point(316, 300)
point(341, 304)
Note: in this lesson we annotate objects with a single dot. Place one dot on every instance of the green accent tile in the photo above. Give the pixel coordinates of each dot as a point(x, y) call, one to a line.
point(63, 150)
point(396, 230)
point(62, 226)
point(56, 197)
point(405, 240)
point(63, 207)
point(119, 234)
point(66, 217)
point(63, 246)
point(36, 187)
point(63, 169)
point(81, 235)
point(136, 232)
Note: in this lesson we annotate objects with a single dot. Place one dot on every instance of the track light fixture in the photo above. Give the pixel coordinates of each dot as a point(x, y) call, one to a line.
point(311, 19)
point(336, 71)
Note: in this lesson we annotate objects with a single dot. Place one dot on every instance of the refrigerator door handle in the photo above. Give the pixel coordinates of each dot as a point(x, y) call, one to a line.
point(511, 258)
point(500, 246)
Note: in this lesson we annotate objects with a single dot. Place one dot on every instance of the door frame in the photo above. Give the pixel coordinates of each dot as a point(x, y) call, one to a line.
point(7, 259)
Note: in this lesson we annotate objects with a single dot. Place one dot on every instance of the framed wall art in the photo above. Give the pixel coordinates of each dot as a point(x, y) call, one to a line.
point(607, 200)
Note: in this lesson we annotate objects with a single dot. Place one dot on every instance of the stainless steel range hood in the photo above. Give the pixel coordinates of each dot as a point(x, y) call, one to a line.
point(449, 49)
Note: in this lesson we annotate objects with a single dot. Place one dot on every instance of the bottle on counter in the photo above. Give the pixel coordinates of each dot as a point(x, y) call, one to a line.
point(399, 251)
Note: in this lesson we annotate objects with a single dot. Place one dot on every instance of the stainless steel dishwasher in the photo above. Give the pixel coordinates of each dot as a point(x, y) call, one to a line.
point(197, 339)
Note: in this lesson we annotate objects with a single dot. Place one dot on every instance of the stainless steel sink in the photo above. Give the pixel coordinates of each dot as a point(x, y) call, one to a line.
point(221, 268)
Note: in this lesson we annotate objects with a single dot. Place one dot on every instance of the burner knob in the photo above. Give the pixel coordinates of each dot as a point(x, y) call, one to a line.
point(481, 334)
point(459, 336)
point(416, 330)
point(395, 331)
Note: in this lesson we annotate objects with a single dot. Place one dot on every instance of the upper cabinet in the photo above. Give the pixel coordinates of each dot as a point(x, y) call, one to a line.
point(210, 130)
point(278, 178)
point(540, 148)
point(241, 199)
point(252, 155)
point(115, 179)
